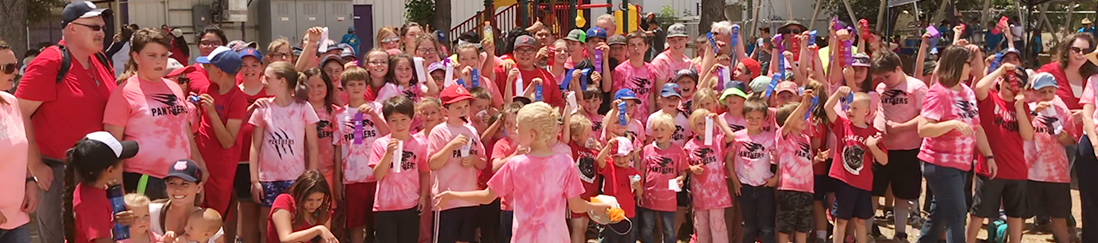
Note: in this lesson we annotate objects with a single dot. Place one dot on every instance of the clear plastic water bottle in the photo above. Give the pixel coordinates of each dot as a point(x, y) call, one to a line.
point(118, 204)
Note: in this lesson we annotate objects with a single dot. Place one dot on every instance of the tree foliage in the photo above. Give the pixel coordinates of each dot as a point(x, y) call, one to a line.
point(419, 11)
point(39, 10)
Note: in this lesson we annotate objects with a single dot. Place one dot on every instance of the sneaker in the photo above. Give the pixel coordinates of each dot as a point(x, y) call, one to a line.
point(900, 237)
point(890, 218)
point(875, 231)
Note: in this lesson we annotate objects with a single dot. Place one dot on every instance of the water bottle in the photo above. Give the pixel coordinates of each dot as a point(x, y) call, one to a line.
point(118, 205)
point(995, 62)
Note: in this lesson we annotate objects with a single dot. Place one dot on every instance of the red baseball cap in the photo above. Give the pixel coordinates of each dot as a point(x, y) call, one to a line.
point(181, 71)
point(752, 66)
point(454, 94)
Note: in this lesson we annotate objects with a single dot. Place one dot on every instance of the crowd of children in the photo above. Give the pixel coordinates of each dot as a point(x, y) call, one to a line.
point(514, 146)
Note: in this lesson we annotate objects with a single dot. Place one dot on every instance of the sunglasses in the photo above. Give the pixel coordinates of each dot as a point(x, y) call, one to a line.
point(390, 40)
point(9, 68)
point(1081, 50)
point(92, 27)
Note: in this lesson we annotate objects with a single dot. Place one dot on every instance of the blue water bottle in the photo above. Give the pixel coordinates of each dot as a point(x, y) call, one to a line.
point(118, 204)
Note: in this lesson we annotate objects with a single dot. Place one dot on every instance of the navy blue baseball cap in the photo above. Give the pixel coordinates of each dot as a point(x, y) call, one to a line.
point(223, 58)
point(596, 32)
point(250, 52)
point(670, 89)
point(625, 94)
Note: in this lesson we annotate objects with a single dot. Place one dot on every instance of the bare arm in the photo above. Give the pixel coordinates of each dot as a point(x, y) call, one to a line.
point(485, 196)
point(310, 140)
point(282, 221)
point(984, 85)
point(1025, 127)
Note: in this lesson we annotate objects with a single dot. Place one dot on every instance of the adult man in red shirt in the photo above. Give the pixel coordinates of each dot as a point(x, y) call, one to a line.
point(58, 113)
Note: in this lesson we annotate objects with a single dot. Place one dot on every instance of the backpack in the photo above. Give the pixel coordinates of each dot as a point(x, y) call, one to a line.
point(997, 231)
point(66, 63)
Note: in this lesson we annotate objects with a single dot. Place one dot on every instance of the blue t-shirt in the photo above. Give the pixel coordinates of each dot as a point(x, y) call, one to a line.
point(991, 40)
point(1090, 30)
point(352, 39)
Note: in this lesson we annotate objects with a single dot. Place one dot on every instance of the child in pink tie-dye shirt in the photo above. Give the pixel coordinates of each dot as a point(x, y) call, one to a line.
point(708, 187)
point(538, 213)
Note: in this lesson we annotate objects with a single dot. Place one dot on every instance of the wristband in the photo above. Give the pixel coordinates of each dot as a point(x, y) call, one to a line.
point(989, 157)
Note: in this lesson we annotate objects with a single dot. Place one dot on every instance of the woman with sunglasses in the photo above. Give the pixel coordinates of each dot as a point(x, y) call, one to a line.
point(13, 166)
point(1086, 165)
point(388, 40)
point(1071, 69)
point(152, 111)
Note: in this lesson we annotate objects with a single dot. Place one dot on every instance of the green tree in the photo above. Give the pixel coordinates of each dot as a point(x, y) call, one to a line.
point(419, 11)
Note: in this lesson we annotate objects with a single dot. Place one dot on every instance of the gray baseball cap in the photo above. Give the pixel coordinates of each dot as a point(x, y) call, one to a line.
point(677, 30)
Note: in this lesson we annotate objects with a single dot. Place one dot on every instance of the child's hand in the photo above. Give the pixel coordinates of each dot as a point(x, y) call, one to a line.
point(536, 81)
point(1041, 106)
point(392, 147)
point(806, 98)
point(542, 53)
point(871, 141)
point(596, 78)
point(257, 192)
point(603, 47)
point(3, 219)
point(848, 73)
point(460, 140)
point(170, 237)
point(697, 169)
point(366, 109)
point(467, 161)
point(423, 206)
point(124, 217)
point(772, 182)
point(467, 74)
point(326, 235)
point(261, 103)
point(843, 91)
point(821, 156)
point(513, 73)
point(207, 101)
point(961, 127)
point(736, 185)
point(442, 198)
point(312, 34)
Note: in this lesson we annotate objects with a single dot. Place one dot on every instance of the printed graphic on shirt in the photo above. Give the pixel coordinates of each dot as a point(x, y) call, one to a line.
point(369, 130)
point(407, 161)
point(853, 158)
point(642, 86)
point(752, 150)
point(679, 134)
point(707, 156)
point(1049, 124)
point(171, 105)
point(1005, 119)
point(282, 142)
point(804, 150)
point(664, 166)
point(894, 97)
point(967, 109)
point(323, 129)
point(596, 125)
point(736, 127)
point(586, 164)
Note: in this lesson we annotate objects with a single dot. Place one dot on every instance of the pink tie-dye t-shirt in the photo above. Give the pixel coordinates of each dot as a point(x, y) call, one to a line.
point(453, 176)
point(641, 80)
point(1045, 155)
point(539, 214)
point(795, 162)
point(387, 91)
point(951, 149)
point(282, 152)
point(900, 104)
point(155, 114)
point(666, 65)
point(356, 156)
point(324, 133)
point(399, 190)
point(753, 154)
point(709, 189)
point(681, 133)
point(661, 166)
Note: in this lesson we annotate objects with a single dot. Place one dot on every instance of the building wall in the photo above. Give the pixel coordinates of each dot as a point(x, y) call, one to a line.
point(180, 13)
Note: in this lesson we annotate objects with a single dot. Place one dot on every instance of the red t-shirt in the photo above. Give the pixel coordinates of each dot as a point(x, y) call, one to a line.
point(245, 134)
point(221, 162)
point(617, 184)
point(81, 96)
point(1000, 124)
point(585, 161)
point(853, 158)
point(93, 214)
point(549, 92)
point(286, 202)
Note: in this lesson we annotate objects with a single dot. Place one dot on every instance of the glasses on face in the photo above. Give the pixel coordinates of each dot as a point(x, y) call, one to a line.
point(426, 51)
point(92, 27)
point(525, 51)
point(1081, 50)
point(8, 68)
point(280, 55)
point(209, 43)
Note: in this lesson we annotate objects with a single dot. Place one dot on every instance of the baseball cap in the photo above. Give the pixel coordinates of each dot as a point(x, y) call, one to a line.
point(223, 58)
point(238, 45)
point(686, 73)
point(331, 57)
point(177, 32)
point(296, 50)
point(786, 86)
point(454, 94)
point(752, 66)
point(676, 30)
point(576, 35)
point(82, 9)
point(670, 89)
point(861, 60)
point(596, 32)
point(525, 41)
point(616, 40)
point(625, 94)
point(625, 147)
point(1042, 80)
point(180, 71)
point(250, 52)
point(103, 144)
point(760, 83)
point(732, 91)
point(173, 65)
point(185, 169)
point(437, 66)
point(347, 52)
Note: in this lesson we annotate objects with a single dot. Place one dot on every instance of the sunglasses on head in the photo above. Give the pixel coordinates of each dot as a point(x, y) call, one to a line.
point(9, 68)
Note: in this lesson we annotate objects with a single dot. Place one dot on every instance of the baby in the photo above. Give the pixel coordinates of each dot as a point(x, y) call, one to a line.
point(201, 226)
point(139, 230)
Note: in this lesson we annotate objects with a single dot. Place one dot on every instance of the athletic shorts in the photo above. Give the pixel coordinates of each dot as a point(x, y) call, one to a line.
point(242, 184)
point(458, 224)
point(150, 186)
point(991, 193)
point(1051, 198)
point(794, 212)
point(851, 202)
point(360, 203)
point(272, 189)
point(822, 185)
point(903, 173)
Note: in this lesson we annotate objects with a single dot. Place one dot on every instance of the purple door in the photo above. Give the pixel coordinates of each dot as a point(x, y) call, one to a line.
point(364, 27)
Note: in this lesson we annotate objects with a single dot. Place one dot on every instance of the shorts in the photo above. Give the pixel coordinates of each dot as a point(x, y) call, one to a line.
point(1049, 198)
point(991, 193)
point(242, 184)
point(851, 202)
point(683, 198)
point(458, 224)
point(272, 189)
point(822, 185)
point(794, 212)
point(397, 226)
point(150, 186)
point(903, 173)
point(360, 203)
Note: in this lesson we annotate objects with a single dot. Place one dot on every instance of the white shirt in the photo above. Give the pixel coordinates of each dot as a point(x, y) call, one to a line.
point(155, 209)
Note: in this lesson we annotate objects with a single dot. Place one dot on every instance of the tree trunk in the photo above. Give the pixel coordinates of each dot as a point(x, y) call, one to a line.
point(815, 14)
point(15, 31)
point(441, 19)
point(711, 11)
point(1048, 24)
point(942, 10)
point(881, 17)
